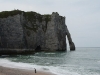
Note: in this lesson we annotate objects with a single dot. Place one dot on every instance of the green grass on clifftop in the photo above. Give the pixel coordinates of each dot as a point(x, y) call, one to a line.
point(5, 14)
point(30, 16)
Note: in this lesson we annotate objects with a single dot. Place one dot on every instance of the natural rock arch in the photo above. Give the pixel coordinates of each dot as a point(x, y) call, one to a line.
point(71, 43)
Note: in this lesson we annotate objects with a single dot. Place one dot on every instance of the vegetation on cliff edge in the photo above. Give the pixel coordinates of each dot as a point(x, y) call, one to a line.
point(31, 17)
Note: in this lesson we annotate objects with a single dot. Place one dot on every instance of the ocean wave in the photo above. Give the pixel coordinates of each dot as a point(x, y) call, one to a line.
point(53, 69)
point(58, 70)
point(7, 63)
point(50, 53)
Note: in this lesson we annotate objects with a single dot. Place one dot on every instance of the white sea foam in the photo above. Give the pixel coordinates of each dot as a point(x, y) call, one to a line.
point(58, 70)
point(50, 53)
point(8, 63)
point(20, 65)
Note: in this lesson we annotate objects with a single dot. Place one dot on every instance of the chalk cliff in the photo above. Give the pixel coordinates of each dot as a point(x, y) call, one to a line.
point(31, 30)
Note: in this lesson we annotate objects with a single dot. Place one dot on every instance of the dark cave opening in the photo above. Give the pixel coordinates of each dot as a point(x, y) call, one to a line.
point(38, 48)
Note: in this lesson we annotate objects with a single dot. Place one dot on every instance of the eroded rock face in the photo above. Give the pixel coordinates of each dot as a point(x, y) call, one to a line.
point(71, 43)
point(29, 30)
point(11, 32)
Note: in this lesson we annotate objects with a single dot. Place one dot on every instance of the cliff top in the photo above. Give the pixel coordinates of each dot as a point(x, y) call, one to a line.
point(29, 14)
point(5, 14)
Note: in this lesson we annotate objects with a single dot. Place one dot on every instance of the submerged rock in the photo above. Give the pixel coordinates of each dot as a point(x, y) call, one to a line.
point(31, 30)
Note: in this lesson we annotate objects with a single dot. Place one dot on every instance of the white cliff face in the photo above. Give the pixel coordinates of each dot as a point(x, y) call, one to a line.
point(56, 36)
point(11, 32)
point(32, 30)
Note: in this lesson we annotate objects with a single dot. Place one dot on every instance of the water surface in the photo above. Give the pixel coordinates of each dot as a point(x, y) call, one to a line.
point(83, 61)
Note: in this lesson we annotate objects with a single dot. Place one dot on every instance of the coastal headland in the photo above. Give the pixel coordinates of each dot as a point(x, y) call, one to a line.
point(33, 31)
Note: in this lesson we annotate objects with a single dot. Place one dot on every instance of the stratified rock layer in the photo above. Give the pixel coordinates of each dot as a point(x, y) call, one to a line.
point(30, 30)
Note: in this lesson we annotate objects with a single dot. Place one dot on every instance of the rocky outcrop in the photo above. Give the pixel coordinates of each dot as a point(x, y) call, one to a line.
point(30, 30)
point(71, 43)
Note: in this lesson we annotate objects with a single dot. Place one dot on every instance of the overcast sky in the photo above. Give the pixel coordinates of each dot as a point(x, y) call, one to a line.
point(82, 16)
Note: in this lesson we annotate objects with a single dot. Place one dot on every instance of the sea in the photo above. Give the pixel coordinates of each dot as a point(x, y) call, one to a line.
point(82, 61)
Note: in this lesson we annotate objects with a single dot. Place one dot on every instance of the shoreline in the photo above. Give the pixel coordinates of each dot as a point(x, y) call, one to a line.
point(8, 51)
point(16, 71)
